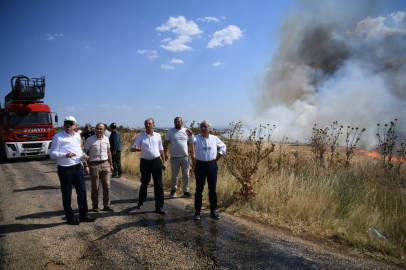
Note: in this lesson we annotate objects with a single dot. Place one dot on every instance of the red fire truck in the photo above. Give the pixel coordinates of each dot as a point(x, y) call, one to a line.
point(26, 126)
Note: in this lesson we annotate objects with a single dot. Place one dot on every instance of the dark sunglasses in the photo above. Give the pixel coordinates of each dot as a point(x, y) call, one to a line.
point(68, 123)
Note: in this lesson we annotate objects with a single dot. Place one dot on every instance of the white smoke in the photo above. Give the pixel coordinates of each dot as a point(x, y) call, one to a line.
point(326, 70)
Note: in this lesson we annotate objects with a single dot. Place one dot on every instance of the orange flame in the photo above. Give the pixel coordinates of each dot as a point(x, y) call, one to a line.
point(375, 154)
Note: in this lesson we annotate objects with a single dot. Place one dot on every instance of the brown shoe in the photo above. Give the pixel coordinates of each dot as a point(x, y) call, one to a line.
point(108, 208)
point(96, 209)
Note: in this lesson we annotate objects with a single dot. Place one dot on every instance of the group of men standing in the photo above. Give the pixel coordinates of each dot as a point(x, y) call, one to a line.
point(103, 154)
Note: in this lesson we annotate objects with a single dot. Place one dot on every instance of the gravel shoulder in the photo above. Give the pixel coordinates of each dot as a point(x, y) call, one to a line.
point(34, 233)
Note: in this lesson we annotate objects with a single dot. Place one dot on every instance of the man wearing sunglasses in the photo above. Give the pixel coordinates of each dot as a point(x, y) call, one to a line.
point(66, 149)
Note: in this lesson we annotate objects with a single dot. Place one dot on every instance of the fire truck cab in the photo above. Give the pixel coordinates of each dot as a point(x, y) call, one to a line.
point(26, 124)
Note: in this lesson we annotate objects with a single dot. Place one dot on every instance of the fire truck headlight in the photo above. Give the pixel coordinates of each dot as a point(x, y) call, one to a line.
point(12, 146)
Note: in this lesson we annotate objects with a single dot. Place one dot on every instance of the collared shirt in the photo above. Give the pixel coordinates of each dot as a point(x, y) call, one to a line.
point(178, 139)
point(107, 133)
point(206, 148)
point(97, 148)
point(115, 141)
point(150, 145)
point(63, 143)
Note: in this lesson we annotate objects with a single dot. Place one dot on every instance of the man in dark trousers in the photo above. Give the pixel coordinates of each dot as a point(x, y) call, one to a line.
point(115, 149)
point(149, 144)
point(67, 152)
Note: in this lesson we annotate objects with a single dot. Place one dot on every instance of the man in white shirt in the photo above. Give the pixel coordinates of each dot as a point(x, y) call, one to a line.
point(106, 131)
point(97, 147)
point(149, 144)
point(206, 155)
point(179, 156)
point(66, 149)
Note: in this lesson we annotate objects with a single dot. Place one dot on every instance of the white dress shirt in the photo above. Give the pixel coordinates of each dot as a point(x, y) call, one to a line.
point(63, 143)
point(206, 148)
point(150, 145)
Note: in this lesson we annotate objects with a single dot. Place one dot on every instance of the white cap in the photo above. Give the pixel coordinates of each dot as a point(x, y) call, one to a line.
point(70, 119)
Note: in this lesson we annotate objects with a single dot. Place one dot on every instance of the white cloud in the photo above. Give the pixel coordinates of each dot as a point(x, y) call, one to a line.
point(176, 61)
point(142, 51)
point(227, 36)
point(52, 37)
point(223, 17)
point(124, 108)
point(377, 27)
point(166, 39)
point(154, 52)
point(167, 66)
point(105, 105)
point(87, 47)
point(158, 107)
point(86, 104)
point(152, 57)
point(159, 34)
point(217, 64)
point(184, 30)
point(70, 109)
point(208, 19)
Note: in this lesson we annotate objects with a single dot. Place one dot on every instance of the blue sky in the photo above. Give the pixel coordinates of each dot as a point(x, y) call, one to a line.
point(125, 61)
point(108, 61)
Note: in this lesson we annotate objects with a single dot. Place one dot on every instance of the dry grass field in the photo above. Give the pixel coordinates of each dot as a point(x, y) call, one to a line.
point(291, 189)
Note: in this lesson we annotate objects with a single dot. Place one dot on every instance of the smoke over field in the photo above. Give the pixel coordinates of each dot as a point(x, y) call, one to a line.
point(336, 62)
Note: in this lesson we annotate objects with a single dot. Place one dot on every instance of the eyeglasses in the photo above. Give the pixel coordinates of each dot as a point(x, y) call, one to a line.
point(68, 123)
point(99, 128)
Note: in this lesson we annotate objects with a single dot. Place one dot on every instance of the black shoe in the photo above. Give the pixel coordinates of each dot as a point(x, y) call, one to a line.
point(160, 211)
point(139, 206)
point(173, 193)
point(87, 219)
point(197, 215)
point(73, 222)
point(114, 176)
point(119, 176)
point(214, 214)
point(187, 194)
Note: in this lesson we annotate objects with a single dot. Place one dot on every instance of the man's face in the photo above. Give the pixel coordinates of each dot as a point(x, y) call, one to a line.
point(99, 130)
point(149, 125)
point(88, 128)
point(69, 126)
point(204, 128)
point(178, 123)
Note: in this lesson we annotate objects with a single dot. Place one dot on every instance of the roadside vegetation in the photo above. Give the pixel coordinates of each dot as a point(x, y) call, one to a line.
point(330, 191)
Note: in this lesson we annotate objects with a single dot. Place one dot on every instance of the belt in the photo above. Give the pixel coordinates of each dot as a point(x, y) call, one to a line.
point(98, 162)
point(150, 160)
point(206, 162)
point(71, 165)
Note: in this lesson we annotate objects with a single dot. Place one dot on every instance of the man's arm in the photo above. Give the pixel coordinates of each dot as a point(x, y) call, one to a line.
point(166, 148)
point(161, 152)
point(134, 147)
point(85, 165)
point(110, 159)
point(223, 148)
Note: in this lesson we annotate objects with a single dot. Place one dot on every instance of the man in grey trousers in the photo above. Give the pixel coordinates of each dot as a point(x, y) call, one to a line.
point(178, 139)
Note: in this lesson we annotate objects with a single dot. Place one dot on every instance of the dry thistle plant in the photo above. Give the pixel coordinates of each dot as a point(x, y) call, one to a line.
point(335, 134)
point(319, 142)
point(351, 143)
point(387, 143)
point(244, 155)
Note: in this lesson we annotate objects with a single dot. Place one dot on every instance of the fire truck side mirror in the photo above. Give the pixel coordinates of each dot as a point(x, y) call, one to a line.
point(56, 118)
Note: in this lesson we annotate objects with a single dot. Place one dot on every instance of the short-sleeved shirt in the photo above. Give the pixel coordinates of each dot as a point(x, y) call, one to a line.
point(206, 148)
point(87, 134)
point(150, 145)
point(178, 139)
point(97, 148)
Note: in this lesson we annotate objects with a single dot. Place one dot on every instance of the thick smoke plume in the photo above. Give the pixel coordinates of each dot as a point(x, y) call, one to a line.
point(335, 63)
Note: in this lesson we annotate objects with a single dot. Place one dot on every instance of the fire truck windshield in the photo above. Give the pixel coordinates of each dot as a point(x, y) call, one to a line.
point(29, 118)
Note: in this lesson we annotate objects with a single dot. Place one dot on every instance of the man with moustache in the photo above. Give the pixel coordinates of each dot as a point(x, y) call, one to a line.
point(178, 139)
point(206, 155)
point(66, 149)
point(149, 144)
point(87, 133)
point(97, 147)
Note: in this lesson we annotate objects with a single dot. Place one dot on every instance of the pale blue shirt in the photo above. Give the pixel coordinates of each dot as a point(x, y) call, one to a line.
point(63, 143)
point(150, 145)
point(206, 148)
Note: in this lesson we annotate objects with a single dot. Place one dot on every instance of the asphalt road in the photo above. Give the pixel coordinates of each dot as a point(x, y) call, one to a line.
point(34, 233)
